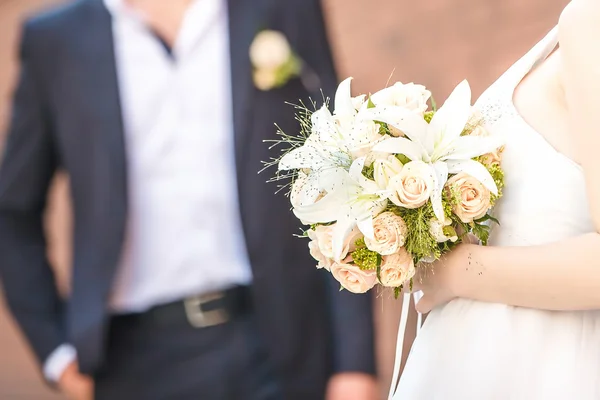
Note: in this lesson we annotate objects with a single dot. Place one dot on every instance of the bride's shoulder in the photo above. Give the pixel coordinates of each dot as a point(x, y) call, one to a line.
point(579, 38)
point(579, 25)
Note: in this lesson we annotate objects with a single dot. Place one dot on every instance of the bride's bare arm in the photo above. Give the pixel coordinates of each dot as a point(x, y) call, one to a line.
point(564, 275)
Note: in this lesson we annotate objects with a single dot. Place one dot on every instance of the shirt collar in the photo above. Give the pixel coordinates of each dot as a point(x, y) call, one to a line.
point(116, 6)
point(199, 14)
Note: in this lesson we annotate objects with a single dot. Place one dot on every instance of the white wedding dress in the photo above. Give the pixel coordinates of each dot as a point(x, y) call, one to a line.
point(469, 350)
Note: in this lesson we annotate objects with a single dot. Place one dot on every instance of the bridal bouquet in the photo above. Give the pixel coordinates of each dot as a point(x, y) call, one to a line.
point(386, 184)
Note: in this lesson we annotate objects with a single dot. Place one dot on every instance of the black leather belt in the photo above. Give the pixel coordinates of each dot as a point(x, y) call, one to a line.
point(198, 311)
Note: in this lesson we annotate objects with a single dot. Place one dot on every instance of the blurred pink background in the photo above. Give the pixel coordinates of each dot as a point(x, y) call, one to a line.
point(435, 42)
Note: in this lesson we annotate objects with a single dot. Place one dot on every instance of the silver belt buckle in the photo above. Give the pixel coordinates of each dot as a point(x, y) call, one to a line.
point(199, 318)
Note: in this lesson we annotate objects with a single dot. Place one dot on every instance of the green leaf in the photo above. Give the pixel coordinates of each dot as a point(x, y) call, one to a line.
point(384, 129)
point(482, 232)
point(370, 103)
point(397, 291)
point(487, 217)
point(369, 171)
point(402, 158)
point(428, 116)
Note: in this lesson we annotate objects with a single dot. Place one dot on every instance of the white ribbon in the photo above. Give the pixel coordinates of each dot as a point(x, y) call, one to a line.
point(406, 298)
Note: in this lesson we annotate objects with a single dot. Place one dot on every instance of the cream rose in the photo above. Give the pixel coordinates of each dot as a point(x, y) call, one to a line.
point(352, 278)
point(396, 269)
point(409, 96)
point(442, 231)
point(389, 234)
point(385, 169)
point(473, 197)
point(324, 237)
point(269, 50)
point(316, 253)
point(412, 187)
point(350, 242)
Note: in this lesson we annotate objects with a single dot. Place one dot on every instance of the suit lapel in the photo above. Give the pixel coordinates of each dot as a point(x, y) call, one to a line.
point(244, 23)
point(100, 90)
point(104, 88)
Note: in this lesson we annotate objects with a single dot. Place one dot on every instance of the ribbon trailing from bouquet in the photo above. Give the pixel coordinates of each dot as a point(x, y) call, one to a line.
point(401, 333)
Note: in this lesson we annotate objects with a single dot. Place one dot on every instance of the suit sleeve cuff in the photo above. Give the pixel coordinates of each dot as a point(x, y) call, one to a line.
point(58, 361)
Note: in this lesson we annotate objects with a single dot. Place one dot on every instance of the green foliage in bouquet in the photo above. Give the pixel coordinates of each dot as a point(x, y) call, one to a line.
point(365, 258)
point(426, 238)
point(498, 174)
point(419, 240)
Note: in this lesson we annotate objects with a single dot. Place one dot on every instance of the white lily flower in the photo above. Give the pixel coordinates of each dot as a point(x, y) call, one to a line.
point(334, 141)
point(323, 149)
point(356, 126)
point(439, 143)
point(334, 137)
point(351, 200)
point(305, 189)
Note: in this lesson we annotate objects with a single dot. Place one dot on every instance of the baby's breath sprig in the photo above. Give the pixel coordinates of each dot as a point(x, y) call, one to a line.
point(290, 142)
point(303, 116)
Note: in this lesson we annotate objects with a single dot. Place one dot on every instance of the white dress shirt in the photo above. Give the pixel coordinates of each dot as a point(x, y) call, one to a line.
point(184, 234)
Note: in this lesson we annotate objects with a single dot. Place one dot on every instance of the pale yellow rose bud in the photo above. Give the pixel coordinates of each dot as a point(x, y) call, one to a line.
point(385, 169)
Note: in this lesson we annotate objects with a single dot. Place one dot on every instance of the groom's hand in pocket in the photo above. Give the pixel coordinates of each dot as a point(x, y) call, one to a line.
point(352, 386)
point(74, 385)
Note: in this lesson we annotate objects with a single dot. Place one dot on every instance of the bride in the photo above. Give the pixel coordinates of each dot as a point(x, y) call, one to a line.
point(520, 319)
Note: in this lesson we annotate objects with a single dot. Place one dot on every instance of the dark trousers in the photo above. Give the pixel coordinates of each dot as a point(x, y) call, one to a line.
point(148, 361)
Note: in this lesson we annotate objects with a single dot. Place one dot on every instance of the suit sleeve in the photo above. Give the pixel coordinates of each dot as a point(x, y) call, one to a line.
point(351, 314)
point(27, 167)
point(352, 321)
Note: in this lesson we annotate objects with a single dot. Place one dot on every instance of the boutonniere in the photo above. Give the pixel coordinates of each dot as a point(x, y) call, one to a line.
point(274, 63)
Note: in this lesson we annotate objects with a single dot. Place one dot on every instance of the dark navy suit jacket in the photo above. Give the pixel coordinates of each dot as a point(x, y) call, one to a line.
point(67, 116)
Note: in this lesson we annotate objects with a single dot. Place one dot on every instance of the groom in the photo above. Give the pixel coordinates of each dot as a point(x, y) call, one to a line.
point(187, 280)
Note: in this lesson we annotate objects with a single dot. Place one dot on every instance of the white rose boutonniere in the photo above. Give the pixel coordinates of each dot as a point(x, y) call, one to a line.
point(273, 60)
